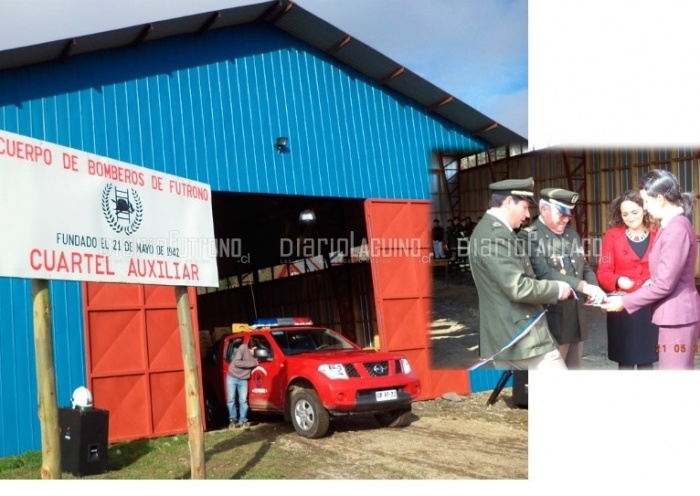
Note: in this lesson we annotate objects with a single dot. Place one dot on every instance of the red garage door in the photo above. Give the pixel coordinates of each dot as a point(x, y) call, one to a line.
point(400, 243)
point(134, 358)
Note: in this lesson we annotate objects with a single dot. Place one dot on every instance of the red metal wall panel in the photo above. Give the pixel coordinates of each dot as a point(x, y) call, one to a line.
point(168, 403)
point(444, 381)
point(127, 400)
point(400, 243)
point(163, 339)
point(405, 317)
point(134, 358)
point(114, 344)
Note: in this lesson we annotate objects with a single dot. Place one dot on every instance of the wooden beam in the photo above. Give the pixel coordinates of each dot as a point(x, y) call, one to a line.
point(65, 53)
point(142, 35)
point(391, 76)
point(46, 382)
point(275, 12)
point(195, 427)
point(439, 104)
point(339, 45)
point(209, 22)
point(486, 129)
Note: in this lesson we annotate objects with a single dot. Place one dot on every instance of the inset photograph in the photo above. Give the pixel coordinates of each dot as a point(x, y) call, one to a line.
point(578, 259)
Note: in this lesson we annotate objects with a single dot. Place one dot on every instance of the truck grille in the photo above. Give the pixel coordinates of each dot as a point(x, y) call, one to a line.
point(374, 369)
point(351, 370)
point(377, 369)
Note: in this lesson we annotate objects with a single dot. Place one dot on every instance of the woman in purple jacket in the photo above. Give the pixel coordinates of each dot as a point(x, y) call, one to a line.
point(671, 291)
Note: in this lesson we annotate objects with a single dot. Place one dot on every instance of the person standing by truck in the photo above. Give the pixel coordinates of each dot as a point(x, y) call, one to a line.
point(237, 379)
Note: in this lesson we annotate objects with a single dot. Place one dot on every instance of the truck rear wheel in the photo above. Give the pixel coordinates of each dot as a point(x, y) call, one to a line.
point(215, 415)
point(400, 417)
point(309, 418)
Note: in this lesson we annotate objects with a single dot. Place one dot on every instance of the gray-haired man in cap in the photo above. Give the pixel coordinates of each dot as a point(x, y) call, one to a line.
point(557, 254)
point(510, 296)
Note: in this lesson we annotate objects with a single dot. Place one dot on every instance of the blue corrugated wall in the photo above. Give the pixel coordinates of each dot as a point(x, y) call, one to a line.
point(486, 380)
point(209, 108)
point(19, 423)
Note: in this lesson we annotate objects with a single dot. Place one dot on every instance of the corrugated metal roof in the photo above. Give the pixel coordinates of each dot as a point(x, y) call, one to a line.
point(298, 22)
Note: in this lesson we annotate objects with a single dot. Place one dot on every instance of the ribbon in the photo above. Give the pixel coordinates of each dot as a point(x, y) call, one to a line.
point(520, 335)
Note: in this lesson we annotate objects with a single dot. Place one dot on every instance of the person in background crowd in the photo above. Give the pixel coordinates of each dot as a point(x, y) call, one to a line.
point(556, 254)
point(671, 291)
point(462, 235)
point(468, 226)
point(624, 266)
point(438, 240)
point(510, 297)
point(451, 234)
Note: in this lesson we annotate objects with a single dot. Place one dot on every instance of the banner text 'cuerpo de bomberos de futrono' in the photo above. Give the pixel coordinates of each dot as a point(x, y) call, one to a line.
point(71, 215)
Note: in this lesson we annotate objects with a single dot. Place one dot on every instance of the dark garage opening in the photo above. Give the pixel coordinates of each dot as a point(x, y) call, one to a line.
point(272, 265)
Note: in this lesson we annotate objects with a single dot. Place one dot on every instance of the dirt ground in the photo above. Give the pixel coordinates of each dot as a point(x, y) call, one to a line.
point(449, 439)
point(456, 437)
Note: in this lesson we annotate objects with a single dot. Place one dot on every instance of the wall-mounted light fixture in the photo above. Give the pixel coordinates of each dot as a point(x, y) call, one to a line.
point(307, 216)
point(281, 144)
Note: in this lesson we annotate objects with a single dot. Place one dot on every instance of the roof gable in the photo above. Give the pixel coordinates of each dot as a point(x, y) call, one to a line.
point(302, 24)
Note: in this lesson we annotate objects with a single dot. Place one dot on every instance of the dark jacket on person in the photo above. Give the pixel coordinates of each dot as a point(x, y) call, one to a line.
point(560, 258)
point(438, 233)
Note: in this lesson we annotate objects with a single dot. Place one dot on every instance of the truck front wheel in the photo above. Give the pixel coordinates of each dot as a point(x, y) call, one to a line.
point(309, 417)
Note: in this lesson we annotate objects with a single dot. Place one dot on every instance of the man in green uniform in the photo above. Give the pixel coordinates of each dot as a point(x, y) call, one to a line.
point(510, 296)
point(556, 254)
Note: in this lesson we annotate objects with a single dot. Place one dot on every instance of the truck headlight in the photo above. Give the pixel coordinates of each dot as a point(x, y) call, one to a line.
point(405, 366)
point(333, 371)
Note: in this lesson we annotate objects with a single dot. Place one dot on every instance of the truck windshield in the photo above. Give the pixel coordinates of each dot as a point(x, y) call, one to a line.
point(294, 342)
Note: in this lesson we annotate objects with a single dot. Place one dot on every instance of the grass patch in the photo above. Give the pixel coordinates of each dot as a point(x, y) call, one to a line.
point(228, 454)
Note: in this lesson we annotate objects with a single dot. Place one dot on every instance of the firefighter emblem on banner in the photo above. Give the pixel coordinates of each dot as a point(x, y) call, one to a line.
point(122, 209)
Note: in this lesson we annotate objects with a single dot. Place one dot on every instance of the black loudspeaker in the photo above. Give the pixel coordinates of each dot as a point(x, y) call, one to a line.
point(83, 440)
point(520, 388)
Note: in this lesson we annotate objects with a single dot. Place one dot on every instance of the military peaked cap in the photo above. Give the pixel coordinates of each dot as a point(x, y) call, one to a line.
point(564, 200)
point(522, 188)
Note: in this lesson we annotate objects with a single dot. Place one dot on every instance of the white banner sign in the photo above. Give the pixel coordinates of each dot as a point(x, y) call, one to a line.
point(67, 214)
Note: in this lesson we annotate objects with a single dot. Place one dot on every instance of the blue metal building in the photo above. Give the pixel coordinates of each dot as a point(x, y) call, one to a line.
point(206, 97)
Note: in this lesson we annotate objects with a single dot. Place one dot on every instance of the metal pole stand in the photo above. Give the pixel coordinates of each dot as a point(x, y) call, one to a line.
point(499, 387)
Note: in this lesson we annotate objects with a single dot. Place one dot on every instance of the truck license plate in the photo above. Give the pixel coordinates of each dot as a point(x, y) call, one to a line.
point(386, 395)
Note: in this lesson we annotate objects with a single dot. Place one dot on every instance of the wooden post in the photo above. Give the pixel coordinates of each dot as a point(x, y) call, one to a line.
point(195, 429)
point(46, 381)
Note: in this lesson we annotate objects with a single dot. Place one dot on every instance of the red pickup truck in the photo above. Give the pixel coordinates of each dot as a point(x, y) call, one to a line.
point(310, 374)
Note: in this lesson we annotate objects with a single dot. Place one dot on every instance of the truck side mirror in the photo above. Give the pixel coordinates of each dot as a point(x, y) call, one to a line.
point(262, 354)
